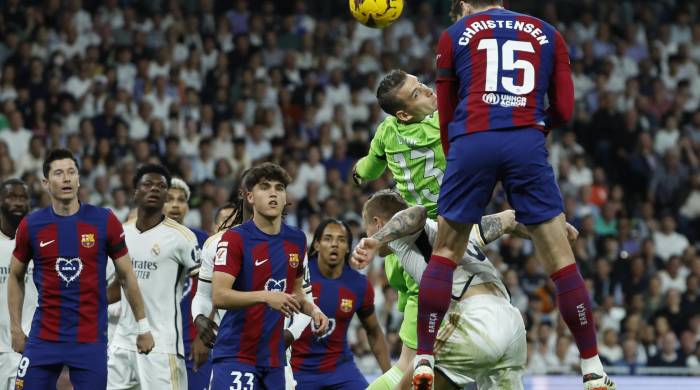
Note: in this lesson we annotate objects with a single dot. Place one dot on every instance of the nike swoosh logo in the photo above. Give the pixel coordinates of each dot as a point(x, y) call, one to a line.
point(43, 244)
point(260, 262)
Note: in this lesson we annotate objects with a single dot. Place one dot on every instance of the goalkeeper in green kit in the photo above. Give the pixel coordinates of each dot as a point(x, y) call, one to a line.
point(408, 143)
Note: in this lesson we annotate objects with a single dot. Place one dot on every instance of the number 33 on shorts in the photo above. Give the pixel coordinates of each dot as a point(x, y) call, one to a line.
point(242, 381)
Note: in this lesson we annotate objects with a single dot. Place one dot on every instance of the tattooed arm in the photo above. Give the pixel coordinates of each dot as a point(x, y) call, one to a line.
point(494, 226)
point(403, 223)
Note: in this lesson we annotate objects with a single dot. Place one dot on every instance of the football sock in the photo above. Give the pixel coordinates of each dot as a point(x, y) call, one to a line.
point(388, 380)
point(575, 308)
point(434, 297)
point(592, 365)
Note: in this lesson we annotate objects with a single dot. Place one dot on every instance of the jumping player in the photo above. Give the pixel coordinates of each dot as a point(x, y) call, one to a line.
point(176, 208)
point(14, 205)
point(69, 243)
point(484, 340)
point(163, 252)
point(259, 264)
point(494, 69)
point(326, 362)
point(407, 142)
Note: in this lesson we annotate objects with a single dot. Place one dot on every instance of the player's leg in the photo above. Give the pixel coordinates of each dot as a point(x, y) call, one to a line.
point(161, 371)
point(87, 366)
point(470, 176)
point(271, 379)
point(37, 377)
point(533, 192)
point(121, 369)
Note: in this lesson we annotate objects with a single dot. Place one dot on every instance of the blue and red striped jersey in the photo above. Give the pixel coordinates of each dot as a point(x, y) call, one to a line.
point(70, 260)
point(259, 262)
point(189, 331)
point(494, 70)
point(339, 299)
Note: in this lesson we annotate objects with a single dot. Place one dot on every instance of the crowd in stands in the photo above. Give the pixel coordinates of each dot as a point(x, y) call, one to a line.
point(209, 88)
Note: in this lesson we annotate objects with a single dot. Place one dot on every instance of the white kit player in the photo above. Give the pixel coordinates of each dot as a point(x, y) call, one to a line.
point(162, 252)
point(482, 338)
point(14, 205)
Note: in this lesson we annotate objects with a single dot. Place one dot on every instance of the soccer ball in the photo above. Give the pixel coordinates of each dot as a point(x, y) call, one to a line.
point(376, 13)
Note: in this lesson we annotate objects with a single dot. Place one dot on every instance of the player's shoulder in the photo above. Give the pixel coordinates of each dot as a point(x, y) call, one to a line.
point(182, 231)
point(354, 276)
point(388, 125)
point(294, 234)
point(213, 239)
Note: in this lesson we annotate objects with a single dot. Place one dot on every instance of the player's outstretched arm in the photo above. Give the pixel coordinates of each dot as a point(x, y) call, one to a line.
point(494, 226)
point(403, 223)
point(308, 307)
point(15, 299)
point(377, 341)
point(126, 278)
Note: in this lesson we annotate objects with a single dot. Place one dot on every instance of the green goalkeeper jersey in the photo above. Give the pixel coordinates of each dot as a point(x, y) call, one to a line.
point(413, 153)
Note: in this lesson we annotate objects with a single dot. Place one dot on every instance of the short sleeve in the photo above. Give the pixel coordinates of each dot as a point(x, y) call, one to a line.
point(190, 254)
point(23, 247)
point(367, 307)
point(206, 269)
point(229, 254)
point(116, 244)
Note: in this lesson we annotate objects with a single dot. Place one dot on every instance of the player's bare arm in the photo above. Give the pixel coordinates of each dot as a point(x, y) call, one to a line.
point(224, 297)
point(206, 336)
point(377, 341)
point(15, 298)
point(403, 223)
point(494, 226)
point(127, 280)
point(309, 308)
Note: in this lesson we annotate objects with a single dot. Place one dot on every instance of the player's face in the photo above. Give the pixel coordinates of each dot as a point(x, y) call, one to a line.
point(176, 206)
point(268, 198)
point(14, 202)
point(151, 191)
point(63, 181)
point(332, 247)
point(419, 100)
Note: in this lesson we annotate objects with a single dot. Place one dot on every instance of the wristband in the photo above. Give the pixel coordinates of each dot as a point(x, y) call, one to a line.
point(143, 326)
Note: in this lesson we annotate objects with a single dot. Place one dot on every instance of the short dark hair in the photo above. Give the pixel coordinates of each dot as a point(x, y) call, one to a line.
point(456, 10)
point(318, 233)
point(10, 183)
point(386, 92)
point(265, 171)
point(151, 168)
point(57, 154)
point(384, 204)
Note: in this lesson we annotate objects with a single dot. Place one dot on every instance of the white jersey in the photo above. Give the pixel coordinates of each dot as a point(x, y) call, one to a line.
point(202, 303)
point(7, 245)
point(474, 268)
point(161, 258)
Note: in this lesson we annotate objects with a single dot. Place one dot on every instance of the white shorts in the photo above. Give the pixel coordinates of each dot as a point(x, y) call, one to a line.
point(290, 383)
point(8, 369)
point(482, 340)
point(156, 371)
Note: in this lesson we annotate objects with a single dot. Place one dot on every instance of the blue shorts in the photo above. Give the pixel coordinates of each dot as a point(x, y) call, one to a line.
point(42, 362)
point(230, 374)
point(345, 377)
point(198, 380)
point(518, 158)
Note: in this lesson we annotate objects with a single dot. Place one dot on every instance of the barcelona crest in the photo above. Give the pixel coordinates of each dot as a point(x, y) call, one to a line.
point(87, 240)
point(346, 305)
point(293, 260)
